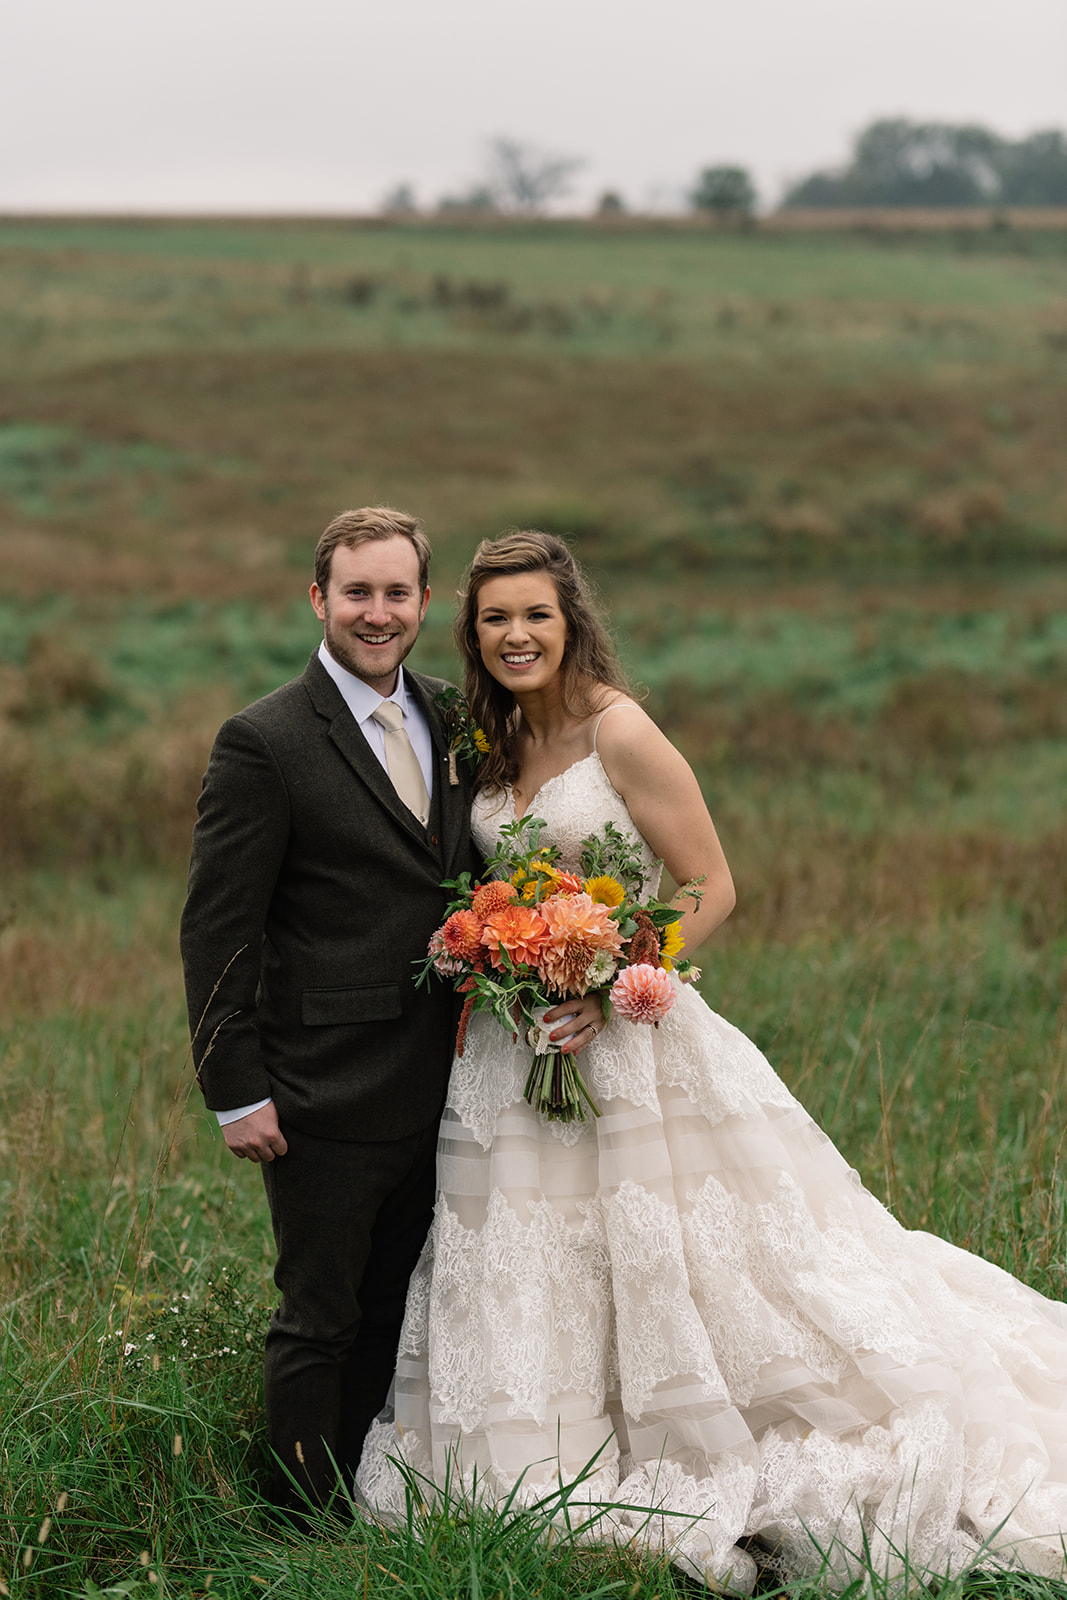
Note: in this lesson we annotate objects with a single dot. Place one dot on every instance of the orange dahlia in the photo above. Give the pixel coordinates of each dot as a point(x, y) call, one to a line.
point(567, 883)
point(492, 897)
point(578, 929)
point(461, 935)
point(519, 930)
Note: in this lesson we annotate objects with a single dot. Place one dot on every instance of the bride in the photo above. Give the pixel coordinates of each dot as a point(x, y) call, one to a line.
point(693, 1292)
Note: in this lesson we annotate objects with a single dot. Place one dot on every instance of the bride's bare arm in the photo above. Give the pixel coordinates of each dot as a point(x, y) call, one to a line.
point(664, 799)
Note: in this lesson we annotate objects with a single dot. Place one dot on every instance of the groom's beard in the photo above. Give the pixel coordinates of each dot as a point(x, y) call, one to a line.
point(376, 665)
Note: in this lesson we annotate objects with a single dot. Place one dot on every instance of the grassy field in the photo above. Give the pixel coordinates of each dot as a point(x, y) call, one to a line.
point(819, 481)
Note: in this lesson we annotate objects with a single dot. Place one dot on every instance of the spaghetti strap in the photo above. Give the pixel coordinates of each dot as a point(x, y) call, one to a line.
point(613, 707)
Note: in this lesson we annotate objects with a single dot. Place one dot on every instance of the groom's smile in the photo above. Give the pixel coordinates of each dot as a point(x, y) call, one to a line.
point(372, 608)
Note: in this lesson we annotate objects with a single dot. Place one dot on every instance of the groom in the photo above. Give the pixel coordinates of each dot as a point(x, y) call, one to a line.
point(327, 822)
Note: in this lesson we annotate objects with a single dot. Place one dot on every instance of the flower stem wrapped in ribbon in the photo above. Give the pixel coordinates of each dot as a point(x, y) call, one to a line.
point(533, 934)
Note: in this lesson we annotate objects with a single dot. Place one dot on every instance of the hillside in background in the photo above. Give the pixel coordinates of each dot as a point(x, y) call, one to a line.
point(819, 480)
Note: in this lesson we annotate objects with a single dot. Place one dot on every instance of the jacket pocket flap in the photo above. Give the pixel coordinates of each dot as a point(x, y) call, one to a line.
point(371, 1002)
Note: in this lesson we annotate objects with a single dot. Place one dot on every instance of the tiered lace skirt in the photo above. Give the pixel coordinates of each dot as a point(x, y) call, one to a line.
point(695, 1294)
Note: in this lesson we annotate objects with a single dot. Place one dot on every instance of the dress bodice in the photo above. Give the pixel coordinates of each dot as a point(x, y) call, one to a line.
point(574, 804)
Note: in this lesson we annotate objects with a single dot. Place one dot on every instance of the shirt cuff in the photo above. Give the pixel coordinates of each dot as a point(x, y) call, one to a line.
point(226, 1117)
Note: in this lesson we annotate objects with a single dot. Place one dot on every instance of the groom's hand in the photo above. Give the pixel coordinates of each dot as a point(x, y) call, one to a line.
point(257, 1136)
point(579, 1020)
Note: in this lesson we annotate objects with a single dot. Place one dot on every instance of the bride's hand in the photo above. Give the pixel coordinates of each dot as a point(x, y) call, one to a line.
point(579, 1019)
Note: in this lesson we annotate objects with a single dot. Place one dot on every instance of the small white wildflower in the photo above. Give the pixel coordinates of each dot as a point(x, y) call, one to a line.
point(600, 970)
point(128, 1349)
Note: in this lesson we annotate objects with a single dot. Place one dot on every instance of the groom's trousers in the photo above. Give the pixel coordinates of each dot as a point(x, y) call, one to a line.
point(350, 1218)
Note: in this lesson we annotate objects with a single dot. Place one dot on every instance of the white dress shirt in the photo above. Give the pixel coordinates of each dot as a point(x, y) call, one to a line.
point(362, 700)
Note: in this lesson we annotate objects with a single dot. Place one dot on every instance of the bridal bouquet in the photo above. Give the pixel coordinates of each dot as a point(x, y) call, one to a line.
point(532, 934)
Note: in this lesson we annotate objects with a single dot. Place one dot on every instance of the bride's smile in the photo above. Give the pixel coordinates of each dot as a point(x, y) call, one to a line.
point(522, 632)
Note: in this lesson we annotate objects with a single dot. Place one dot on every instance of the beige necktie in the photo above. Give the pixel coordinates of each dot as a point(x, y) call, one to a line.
point(402, 761)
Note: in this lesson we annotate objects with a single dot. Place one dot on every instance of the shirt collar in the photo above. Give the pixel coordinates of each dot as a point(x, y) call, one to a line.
point(358, 696)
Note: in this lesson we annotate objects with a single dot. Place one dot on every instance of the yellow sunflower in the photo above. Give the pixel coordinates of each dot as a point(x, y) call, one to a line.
point(607, 891)
point(671, 944)
point(481, 742)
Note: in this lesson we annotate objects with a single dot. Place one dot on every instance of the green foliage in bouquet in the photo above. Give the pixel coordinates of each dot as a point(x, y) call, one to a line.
point(533, 934)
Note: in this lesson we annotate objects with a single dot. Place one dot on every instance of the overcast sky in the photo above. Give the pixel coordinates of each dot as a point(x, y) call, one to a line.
point(324, 105)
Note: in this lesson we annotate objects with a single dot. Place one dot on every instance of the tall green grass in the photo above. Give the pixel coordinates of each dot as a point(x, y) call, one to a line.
point(136, 1253)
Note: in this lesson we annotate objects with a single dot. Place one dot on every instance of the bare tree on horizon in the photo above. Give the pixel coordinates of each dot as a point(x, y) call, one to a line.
point(525, 179)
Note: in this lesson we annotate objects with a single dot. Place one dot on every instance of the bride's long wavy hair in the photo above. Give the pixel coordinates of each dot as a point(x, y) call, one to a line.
point(590, 660)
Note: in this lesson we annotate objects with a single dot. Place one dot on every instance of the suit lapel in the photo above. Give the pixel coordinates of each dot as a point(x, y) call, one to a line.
point(346, 734)
point(455, 804)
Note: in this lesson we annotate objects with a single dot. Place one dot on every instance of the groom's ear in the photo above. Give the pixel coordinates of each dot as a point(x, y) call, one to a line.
point(422, 608)
point(318, 601)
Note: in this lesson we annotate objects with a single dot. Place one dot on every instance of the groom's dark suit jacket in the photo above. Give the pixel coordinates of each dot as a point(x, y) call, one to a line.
point(312, 893)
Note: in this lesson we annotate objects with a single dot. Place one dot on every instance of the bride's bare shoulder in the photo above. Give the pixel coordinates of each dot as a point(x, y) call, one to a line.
point(619, 719)
point(636, 754)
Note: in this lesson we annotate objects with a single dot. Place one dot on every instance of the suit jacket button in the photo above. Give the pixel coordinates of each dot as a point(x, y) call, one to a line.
point(433, 838)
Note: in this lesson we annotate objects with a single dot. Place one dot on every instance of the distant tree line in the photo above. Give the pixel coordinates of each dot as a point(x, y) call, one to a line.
point(896, 162)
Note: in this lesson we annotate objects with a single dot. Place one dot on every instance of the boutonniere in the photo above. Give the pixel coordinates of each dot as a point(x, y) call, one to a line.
point(466, 742)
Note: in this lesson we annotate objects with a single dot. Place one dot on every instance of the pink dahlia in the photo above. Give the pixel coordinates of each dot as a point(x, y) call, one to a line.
point(518, 930)
point(643, 993)
point(461, 935)
point(578, 929)
point(447, 965)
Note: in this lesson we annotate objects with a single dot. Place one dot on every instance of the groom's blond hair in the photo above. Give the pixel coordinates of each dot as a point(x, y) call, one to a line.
point(353, 528)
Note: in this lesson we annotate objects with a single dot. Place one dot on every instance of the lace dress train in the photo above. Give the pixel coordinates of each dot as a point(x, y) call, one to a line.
point(696, 1290)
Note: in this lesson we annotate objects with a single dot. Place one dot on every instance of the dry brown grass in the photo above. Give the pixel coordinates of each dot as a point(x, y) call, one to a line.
point(79, 957)
point(929, 722)
point(643, 459)
point(829, 881)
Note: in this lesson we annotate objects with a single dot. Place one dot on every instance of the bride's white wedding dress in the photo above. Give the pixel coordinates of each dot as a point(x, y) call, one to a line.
point(697, 1286)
